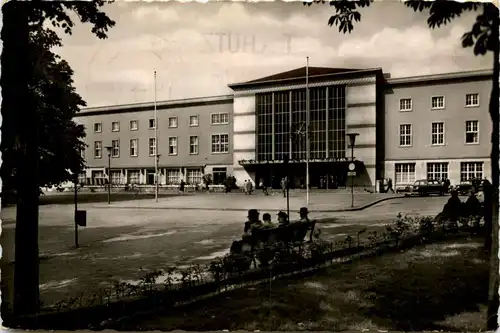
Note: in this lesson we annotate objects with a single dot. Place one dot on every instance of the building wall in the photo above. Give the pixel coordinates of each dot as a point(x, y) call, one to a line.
point(183, 131)
point(244, 131)
point(361, 115)
point(454, 116)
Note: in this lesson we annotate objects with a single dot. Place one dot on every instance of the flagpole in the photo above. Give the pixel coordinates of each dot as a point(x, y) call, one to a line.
point(307, 130)
point(156, 141)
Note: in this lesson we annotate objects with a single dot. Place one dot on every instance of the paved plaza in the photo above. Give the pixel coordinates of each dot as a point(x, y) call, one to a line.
point(118, 242)
point(325, 201)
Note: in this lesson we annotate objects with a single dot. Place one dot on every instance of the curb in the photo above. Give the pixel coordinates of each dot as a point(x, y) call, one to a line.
point(354, 209)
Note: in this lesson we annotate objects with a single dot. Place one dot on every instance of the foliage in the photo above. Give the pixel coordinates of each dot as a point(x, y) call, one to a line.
point(50, 88)
point(274, 258)
point(440, 13)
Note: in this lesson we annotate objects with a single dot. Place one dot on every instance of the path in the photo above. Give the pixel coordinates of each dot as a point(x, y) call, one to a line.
point(319, 201)
point(118, 242)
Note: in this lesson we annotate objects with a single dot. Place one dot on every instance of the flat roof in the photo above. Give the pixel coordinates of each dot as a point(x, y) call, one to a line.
point(432, 78)
point(160, 105)
point(473, 75)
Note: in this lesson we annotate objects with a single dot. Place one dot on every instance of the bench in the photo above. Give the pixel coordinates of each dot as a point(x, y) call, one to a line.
point(265, 242)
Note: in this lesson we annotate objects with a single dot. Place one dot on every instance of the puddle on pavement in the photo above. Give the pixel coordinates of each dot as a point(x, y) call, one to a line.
point(205, 242)
point(136, 237)
point(57, 284)
point(336, 225)
point(214, 255)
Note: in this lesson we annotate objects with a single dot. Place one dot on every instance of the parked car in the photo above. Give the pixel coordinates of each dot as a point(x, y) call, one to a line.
point(464, 188)
point(426, 187)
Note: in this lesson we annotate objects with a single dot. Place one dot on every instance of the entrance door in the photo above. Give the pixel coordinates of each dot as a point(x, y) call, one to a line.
point(151, 178)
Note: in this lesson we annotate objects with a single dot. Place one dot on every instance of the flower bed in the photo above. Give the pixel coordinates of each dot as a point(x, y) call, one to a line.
point(178, 287)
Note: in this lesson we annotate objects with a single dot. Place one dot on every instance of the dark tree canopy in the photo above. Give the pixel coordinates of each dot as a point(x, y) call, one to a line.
point(51, 89)
point(441, 12)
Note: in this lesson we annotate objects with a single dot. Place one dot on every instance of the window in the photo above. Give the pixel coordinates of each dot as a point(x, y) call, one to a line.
point(134, 125)
point(98, 174)
point(115, 126)
point(173, 176)
point(134, 176)
point(437, 134)
point(172, 122)
point(471, 170)
point(405, 135)
point(152, 123)
point(97, 149)
point(220, 143)
point(172, 145)
point(82, 152)
point(193, 121)
point(82, 178)
point(98, 127)
point(116, 177)
point(115, 148)
point(152, 147)
point(193, 145)
point(219, 175)
point(472, 131)
point(471, 100)
point(134, 147)
point(219, 118)
point(437, 171)
point(194, 176)
point(405, 104)
point(405, 173)
point(437, 102)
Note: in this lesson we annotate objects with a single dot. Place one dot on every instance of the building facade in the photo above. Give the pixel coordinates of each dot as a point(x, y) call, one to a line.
point(194, 138)
point(433, 127)
point(438, 127)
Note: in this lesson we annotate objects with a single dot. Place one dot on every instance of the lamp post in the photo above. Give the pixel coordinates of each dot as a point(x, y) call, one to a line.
point(109, 148)
point(352, 167)
point(157, 175)
point(286, 159)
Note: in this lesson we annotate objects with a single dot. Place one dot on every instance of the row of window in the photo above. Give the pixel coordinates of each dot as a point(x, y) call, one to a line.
point(438, 133)
point(173, 176)
point(219, 145)
point(438, 102)
point(405, 172)
point(194, 121)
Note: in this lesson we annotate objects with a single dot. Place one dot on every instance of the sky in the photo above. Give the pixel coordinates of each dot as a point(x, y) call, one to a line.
point(198, 49)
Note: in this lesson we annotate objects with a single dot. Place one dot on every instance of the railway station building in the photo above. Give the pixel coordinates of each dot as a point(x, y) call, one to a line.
point(424, 127)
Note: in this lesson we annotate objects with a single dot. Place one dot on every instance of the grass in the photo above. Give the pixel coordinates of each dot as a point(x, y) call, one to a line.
point(437, 287)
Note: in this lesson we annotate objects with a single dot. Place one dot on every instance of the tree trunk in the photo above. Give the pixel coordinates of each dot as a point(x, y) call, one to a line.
point(491, 224)
point(22, 126)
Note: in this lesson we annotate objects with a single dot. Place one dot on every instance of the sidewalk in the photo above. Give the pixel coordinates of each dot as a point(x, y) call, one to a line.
point(319, 202)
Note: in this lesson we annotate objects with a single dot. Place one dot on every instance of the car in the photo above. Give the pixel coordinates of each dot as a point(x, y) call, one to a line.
point(426, 187)
point(464, 188)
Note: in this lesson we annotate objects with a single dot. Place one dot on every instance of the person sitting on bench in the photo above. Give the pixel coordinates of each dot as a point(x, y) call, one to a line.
point(253, 222)
point(266, 220)
point(303, 213)
point(283, 219)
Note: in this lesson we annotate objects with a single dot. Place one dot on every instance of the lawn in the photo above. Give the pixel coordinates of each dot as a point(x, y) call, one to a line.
point(434, 287)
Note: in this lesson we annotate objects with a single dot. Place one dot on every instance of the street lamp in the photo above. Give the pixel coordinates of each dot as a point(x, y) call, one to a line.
point(109, 148)
point(352, 166)
point(157, 176)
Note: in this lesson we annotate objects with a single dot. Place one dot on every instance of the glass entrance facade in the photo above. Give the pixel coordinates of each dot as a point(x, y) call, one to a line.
point(281, 130)
point(281, 124)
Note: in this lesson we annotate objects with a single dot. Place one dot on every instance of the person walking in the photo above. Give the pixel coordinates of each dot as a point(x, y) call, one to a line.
point(283, 186)
point(182, 185)
point(245, 187)
point(263, 186)
point(390, 186)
